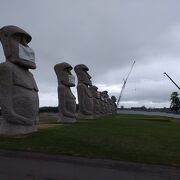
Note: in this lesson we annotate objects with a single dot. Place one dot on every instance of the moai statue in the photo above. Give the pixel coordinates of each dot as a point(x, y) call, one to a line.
point(85, 97)
point(105, 97)
point(96, 101)
point(113, 98)
point(102, 103)
point(19, 99)
point(109, 104)
point(67, 101)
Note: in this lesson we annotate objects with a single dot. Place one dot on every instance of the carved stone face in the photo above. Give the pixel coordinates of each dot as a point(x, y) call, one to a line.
point(15, 44)
point(82, 74)
point(105, 95)
point(94, 91)
point(98, 94)
point(113, 98)
point(63, 72)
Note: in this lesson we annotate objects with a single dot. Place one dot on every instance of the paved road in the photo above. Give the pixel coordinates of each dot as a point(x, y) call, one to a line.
point(32, 166)
point(176, 116)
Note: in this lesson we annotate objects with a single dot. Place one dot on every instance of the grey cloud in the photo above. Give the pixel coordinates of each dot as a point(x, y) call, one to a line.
point(106, 36)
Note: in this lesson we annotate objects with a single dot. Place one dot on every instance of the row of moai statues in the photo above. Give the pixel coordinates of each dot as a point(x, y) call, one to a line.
point(19, 99)
point(92, 103)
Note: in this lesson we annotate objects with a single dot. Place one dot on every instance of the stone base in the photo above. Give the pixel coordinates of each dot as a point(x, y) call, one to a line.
point(63, 119)
point(14, 129)
point(96, 116)
point(82, 116)
point(66, 120)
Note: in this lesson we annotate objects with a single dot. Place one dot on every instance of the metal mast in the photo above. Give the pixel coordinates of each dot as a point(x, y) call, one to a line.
point(171, 80)
point(124, 84)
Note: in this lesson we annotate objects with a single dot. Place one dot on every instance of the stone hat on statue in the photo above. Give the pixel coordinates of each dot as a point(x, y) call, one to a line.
point(62, 66)
point(81, 66)
point(8, 31)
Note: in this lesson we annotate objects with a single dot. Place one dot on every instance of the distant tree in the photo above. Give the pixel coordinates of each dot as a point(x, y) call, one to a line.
point(175, 102)
point(48, 109)
point(143, 107)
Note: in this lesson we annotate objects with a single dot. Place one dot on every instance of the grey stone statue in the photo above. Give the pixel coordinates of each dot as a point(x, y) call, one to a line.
point(85, 97)
point(109, 109)
point(18, 90)
point(67, 101)
point(111, 104)
point(96, 100)
point(105, 96)
point(113, 98)
point(102, 104)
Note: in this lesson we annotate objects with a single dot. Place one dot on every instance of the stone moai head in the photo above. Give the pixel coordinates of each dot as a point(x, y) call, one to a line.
point(96, 100)
point(113, 99)
point(63, 72)
point(105, 95)
point(15, 44)
point(94, 91)
point(82, 74)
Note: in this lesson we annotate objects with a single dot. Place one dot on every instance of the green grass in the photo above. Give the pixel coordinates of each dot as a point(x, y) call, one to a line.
point(138, 138)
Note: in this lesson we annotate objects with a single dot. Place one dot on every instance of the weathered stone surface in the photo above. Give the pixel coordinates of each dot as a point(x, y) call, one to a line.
point(102, 104)
point(113, 98)
point(104, 94)
point(67, 101)
point(85, 97)
point(18, 89)
point(13, 129)
point(96, 101)
point(109, 105)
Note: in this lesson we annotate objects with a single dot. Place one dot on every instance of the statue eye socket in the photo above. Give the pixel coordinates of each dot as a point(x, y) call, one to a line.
point(69, 70)
point(17, 38)
point(21, 39)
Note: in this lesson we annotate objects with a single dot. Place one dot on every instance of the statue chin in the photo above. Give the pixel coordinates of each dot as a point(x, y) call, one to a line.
point(88, 83)
point(67, 83)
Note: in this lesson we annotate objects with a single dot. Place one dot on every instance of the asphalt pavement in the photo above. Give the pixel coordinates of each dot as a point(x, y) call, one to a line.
point(17, 165)
point(149, 113)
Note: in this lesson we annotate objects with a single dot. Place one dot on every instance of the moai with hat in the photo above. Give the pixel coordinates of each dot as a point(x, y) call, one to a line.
point(67, 101)
point(18, 90)
point(96, 101)
point(102, 103)
point(113, 98)
point(105, 96)
point(85, 98)
point(109, 103)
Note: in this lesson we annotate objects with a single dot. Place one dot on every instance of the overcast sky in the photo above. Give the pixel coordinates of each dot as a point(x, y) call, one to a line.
point(107, 36)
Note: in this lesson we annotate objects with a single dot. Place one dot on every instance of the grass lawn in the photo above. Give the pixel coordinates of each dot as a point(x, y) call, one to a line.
point(139, 138)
